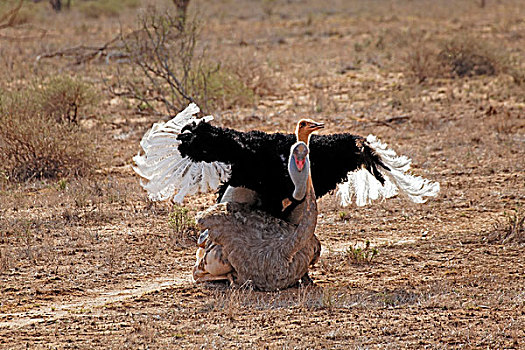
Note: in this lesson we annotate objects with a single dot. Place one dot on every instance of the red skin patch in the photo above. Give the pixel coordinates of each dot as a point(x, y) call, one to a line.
point(300, 164)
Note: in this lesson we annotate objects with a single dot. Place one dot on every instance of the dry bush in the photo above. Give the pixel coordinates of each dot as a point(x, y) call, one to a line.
point(467, 56)
point(21, 239)
point(174, 71)
point(509, 230)
point(422, 62)
point(503, 120)
point(62, 98)
point(253, 73)
point(461, 56)
point(5, 261)
point(38, 134)
point(256, 76)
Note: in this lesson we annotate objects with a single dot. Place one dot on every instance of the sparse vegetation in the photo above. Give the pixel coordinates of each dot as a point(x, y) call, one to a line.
point(115, 270)
point(460, 56)
point(182, 223)
point(467, 56)
point(509, 230)
point(40, 135)
point(64, 99)
point(222, 88)
point(14, 13)
point(361, 255)
point(176, 70)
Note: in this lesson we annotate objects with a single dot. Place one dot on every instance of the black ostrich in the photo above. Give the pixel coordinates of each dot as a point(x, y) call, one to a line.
point(188, 155)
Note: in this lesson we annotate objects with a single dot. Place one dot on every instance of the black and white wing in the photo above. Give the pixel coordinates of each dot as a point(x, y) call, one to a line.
point(188, 155)
point(366, 187)
point(168, 173)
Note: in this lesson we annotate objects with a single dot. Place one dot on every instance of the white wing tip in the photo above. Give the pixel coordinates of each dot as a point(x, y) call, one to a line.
point(170, 175)
point(366, 188)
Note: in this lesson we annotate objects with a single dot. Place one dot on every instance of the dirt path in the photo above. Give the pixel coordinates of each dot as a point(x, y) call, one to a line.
point(100, 298)
point(57, 310)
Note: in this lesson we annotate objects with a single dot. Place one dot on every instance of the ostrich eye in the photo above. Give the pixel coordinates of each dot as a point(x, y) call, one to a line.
point(302, 125)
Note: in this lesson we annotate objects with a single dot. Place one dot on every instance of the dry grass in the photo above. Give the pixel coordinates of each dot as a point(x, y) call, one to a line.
point(26, 14)
point(41, 137)
point(509, 230)
point(460, 56)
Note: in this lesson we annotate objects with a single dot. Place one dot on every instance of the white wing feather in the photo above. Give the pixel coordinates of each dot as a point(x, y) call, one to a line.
point(365, 187)
point(168, 174)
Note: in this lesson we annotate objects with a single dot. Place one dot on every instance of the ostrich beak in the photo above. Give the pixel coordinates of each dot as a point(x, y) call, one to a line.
point(316, 126)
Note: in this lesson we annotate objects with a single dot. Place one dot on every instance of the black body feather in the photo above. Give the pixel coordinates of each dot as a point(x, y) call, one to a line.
point(259, 160)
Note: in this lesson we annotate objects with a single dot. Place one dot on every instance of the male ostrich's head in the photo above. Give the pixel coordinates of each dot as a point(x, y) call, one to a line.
point(299, 169)
point(305, 127)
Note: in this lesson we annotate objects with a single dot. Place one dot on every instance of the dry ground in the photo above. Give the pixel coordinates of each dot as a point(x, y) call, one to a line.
point(90, 263)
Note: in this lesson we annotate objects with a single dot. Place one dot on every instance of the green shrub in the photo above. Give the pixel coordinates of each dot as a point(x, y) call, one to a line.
point(358, 255)
point(38, 141)
point(182, 223)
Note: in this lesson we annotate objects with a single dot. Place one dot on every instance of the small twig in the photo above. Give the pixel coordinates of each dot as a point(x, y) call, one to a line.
point(84, 53)
point(388, 121)
point(397, 118)
point(8, 21)
point(178, 85)
point(77, 51)
point(151, 73)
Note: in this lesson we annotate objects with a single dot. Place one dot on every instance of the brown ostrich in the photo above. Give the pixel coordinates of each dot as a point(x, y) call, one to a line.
point(248, 246)
point(211, 264)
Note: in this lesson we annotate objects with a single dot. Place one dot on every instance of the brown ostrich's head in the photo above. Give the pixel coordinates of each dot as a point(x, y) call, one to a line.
point(305, 127)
